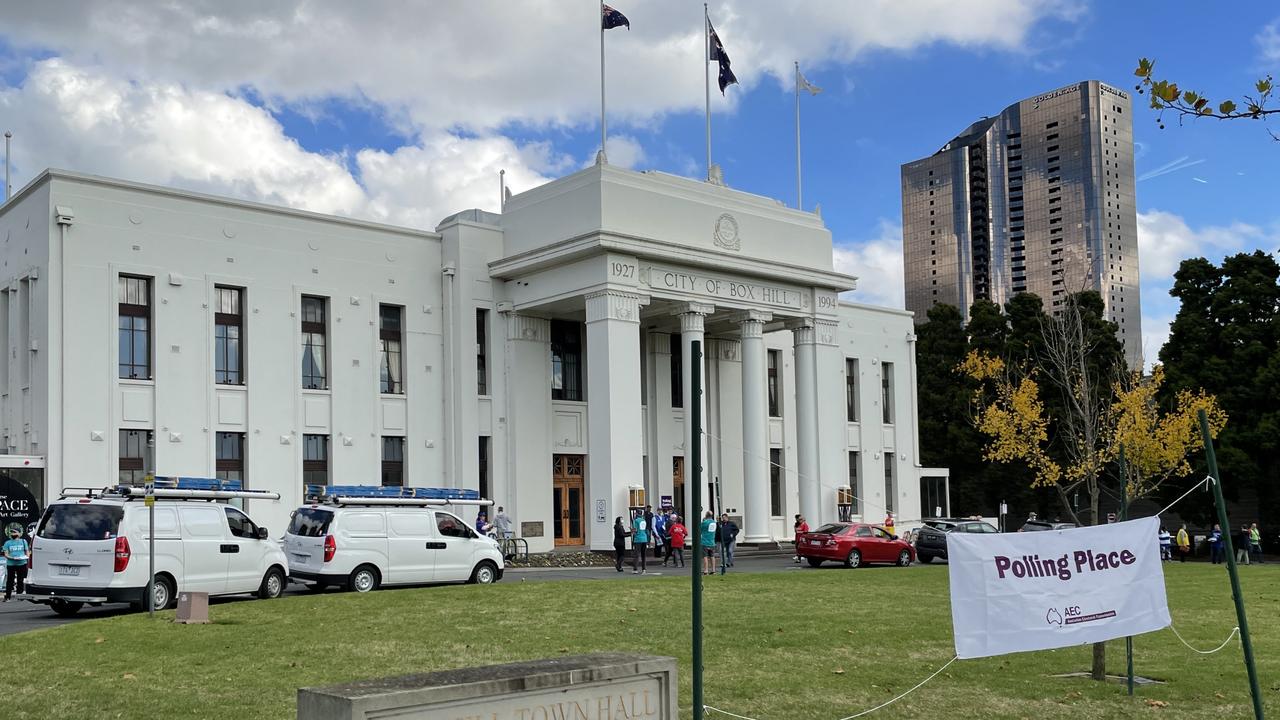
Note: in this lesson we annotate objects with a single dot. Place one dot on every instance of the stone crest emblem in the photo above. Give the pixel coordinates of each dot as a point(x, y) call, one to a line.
point(726, 233)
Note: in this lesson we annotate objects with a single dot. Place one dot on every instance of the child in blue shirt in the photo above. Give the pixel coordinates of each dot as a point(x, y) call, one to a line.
point(15, 559)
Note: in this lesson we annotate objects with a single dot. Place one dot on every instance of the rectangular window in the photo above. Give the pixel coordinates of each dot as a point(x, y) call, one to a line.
point(886, 391)
point(777, 482)
point(482, 352)
point(566, 360)
point(677, 371)
point(315, 460)
point(854, 488)
point(229, 462)
point(228, 335)
point(486, 487)
point(890, 487)
point(393, 462)
point(135, 327)
point(314, 346)
point(774, 358)
point(137, 456)
point(851, 389)
point(390, 344)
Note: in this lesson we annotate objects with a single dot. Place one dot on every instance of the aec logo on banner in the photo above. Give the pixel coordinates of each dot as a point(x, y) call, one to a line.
point(1015, 592)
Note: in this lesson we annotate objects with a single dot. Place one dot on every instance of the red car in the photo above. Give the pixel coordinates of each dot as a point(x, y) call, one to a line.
point(854, 544)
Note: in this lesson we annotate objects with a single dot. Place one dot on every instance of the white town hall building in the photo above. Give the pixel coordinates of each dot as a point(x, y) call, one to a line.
point(539, 355)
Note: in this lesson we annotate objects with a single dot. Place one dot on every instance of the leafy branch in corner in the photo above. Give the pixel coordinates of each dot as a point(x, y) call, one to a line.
point(1166, 96)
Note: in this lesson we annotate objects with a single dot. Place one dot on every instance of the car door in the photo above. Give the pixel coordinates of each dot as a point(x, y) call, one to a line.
point(864, 541)
point(205, 549)
point(454, 546)
point(246, 564)
point(411, 546)
point(886, 550)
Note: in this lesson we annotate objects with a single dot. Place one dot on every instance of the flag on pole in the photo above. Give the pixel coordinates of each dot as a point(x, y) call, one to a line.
point(718, 54)
point(805, 85)
point(611, 18)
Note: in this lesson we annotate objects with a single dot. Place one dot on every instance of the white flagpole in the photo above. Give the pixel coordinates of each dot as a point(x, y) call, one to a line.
point(601, 159)
point(799, 194)
point(706, 72)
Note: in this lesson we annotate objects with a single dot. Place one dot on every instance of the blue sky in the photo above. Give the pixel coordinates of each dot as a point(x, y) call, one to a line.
point(406, 115)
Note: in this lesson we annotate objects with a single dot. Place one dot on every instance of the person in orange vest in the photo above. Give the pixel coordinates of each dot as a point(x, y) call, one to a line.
point(888, 523)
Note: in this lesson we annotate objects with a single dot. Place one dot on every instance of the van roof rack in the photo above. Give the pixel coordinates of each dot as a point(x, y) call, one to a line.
point(404, 496)
point(176, 488)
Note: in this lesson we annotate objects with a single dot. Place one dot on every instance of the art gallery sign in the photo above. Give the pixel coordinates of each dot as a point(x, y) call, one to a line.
point(1014, 592)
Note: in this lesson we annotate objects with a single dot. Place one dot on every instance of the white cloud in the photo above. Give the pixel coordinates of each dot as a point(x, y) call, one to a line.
point(1268, 40)
point(877, 263)
point(623, 151)
point(1165, 240)
point(484, 63)
point(81, 119)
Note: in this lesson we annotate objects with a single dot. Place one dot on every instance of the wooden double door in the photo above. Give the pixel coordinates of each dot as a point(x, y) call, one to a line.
point(569, 501)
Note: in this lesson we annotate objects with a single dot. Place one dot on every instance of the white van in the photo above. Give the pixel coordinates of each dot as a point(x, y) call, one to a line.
point(94, 549)
point(361, 544)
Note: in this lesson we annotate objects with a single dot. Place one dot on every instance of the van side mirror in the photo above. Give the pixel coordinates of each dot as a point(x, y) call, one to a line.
point(262, 533)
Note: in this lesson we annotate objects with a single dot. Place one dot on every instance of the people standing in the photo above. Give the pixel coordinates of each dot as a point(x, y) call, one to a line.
point(1255, 543)
point(888, 523)
point(639, 541)
point(801, 527)
point(659, 533)
point(648, 519)
point(1215, 545)
point(619, 542)
point(1166, 544)
point(728, 538)
point(1184, 543)
point(708, 540)
point(669, 519)
point(502, 524)
point(15, 559)
point(1242, 545)
point(482, 523)
point(676, 537)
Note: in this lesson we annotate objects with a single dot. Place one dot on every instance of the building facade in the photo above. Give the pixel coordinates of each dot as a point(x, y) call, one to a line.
point(541, 356)
point(1038, 199)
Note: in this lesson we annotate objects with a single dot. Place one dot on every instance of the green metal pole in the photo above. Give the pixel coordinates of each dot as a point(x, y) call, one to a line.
point(1124, 515)
point(695, 461)
point(1236, 594)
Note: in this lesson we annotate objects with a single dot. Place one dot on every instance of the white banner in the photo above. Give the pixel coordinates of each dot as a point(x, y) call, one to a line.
point(1014, 592)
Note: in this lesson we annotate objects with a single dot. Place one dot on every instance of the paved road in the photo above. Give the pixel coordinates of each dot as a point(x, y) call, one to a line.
point(17, 616)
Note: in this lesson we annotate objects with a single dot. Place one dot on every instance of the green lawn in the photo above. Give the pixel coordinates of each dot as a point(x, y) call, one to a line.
point(806, 644)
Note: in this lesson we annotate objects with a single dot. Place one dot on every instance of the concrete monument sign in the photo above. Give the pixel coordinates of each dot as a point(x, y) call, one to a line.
point(601, 686)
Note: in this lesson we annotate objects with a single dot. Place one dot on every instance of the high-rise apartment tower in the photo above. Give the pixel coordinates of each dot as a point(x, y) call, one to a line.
point(1038, 199)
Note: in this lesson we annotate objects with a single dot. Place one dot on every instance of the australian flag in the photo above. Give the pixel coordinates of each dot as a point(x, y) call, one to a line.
point(612, 18)
point(718, 54)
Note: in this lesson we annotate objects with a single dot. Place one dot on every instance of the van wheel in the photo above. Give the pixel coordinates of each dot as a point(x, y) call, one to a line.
point(65, 608)
point(163, 591)
point(363, 579)
point(486, 573)
point(272, 584)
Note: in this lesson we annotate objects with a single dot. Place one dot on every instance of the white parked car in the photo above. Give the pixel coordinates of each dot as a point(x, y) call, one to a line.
point(373, 542)
point(93, 550)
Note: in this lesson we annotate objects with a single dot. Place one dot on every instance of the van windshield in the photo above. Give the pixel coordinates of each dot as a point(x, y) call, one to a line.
point(80, 522)
point(310, 522)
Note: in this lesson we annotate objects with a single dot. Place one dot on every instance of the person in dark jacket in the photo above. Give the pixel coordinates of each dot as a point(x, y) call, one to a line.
point(728, 539)
point(1216, 546)
point(619, 542)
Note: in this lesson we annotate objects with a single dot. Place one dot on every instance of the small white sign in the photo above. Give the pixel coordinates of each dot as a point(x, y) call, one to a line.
point(601, 512)
point(1014, 592)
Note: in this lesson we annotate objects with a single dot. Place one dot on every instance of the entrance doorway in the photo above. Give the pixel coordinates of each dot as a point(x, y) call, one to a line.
point(677, 485)
point(568, 501)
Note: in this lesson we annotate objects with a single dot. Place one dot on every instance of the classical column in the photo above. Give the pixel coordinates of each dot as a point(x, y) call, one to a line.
point(755, 427)
point(692, 318)
point(614, 432)
point(804, 339)
point(526, 490)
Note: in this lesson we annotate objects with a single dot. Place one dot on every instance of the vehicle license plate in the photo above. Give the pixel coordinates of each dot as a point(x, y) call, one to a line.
point(73, 570)
point(815, 542)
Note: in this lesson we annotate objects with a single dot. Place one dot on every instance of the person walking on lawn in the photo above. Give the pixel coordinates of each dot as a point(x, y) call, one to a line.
point(728, 538)
point(1242, 545)
point(639, 539)
point(708, 540)
point(1216, 546)
point(676, 540)
point(619, 542)
point(1255, 543)
point(1184, 543)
